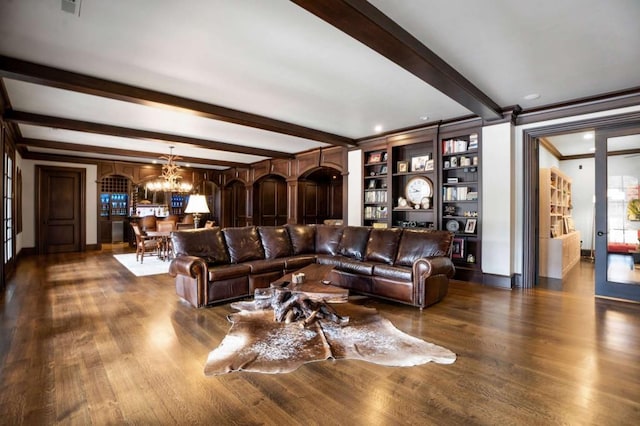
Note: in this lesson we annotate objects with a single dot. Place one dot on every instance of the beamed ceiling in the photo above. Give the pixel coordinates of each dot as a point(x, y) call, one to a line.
point(230, 83)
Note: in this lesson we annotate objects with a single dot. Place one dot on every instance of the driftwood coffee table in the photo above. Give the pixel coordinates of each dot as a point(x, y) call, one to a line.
point(315, 286)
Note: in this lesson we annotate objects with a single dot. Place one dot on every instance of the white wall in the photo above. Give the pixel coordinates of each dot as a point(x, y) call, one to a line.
point(27, 238)
point(498, 191)
point(354, 189)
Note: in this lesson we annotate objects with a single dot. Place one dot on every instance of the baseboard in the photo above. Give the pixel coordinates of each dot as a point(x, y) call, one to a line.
point(499, 281)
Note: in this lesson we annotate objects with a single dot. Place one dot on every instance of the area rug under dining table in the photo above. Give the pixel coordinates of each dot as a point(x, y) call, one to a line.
point(257, 343)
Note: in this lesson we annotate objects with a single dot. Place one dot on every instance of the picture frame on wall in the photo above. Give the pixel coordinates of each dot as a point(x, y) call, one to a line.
point(403, 166)
point(457, 248)
point(470, 226)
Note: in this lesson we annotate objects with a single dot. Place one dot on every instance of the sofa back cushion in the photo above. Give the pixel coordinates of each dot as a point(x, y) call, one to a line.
point(415, 244)
point(303, 238)
point(328, 239)
point(354, 241)
point(206, 243)
point(243, 243)
point(275, 241)
point(383, 245)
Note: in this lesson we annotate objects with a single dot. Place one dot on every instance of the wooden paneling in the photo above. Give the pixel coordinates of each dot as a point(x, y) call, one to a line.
point(270, 202)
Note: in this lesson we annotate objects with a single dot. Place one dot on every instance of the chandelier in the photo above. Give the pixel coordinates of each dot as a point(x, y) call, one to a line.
point(169, 179)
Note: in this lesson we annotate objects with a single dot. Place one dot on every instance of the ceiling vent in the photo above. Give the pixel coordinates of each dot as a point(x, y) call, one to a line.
point(71, 6)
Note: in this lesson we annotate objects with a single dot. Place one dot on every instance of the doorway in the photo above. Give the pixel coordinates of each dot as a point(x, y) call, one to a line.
point(604, 129)
point(60, 201)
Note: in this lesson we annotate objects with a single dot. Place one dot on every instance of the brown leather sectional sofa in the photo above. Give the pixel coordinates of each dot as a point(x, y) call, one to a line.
point(404, 265)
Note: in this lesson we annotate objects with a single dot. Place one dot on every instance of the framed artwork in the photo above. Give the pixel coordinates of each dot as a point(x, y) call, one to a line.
point(470, 226)
point(372, 184)
point(383, 170)
point(419, 164)
point(429, 165)
point(457, 249)
point(375, 157)
point(403, 166)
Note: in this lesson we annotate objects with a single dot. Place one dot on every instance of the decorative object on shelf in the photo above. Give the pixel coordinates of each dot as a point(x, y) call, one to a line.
point(454, 161)
point(375, 157)
point(384, 156)
point(402, 202)
point(471, 258)
point(383, 170)
point(425, 203)
point(449, 210)
point(403, 166)
point(457, 248)
point(419, 164)
point(429, 165)
point(470, 226)
point(372, 184)
point(197, 205)
point(170, 178)
point(447, 164)
point(452, 225)
point(417, 188)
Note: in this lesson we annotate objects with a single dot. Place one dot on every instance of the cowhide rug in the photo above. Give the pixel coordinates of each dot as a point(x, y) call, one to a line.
point(257, 343)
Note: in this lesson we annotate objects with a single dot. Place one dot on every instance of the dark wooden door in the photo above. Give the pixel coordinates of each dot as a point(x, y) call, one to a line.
point(60, 209)
point(270, 202)
point(234, 200)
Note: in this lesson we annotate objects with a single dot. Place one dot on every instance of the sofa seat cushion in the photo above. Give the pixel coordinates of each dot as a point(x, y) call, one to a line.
point(303, 238)
point(355, 266)
point(398, 273)
point(383, 245)
point(275, 241)
point(244, 244)
point(328, 239)
point(353, 242)
point(266, 265)
point(298, 262)
point(415, 244)
point(226, 272)
point(209, 244)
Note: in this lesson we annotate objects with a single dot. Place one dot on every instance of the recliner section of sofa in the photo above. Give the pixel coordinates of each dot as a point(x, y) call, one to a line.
point(215, 265)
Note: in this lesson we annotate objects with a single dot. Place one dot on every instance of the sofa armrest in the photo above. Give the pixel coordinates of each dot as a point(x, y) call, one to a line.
point(441, 265)
point(191, 266)
point(431, 279)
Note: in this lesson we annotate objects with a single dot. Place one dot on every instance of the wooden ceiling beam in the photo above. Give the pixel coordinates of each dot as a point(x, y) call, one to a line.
point(125, 132)
point(41, 74)
point(93, 149)
point(364, 22)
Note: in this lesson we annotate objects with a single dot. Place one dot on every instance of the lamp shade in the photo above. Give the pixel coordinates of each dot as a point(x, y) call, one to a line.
point(197, 204)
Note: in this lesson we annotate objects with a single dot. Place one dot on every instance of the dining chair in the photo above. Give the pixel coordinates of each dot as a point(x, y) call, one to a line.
point(144, 244)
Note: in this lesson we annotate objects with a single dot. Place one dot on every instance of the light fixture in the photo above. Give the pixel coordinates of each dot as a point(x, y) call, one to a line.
point(531, 96)
point(170, 178)
point(197, 205)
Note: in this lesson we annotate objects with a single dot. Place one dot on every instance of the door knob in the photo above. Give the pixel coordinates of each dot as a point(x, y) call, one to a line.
point(600, 233)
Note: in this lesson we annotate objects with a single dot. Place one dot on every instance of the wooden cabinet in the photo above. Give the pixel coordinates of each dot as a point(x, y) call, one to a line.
point(559, 241)
point(460, 207)
point(376, 199)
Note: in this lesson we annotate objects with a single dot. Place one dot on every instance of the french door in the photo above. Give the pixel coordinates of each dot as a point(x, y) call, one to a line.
point(617, 230)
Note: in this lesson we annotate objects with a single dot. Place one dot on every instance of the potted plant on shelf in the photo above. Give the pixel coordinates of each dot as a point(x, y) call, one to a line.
point(633, 209)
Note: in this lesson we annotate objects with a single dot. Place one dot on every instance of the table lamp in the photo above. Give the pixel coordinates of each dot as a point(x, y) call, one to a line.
point(197, 205)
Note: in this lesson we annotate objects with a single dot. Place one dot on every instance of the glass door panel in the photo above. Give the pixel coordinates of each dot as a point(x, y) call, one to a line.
point(618, 213)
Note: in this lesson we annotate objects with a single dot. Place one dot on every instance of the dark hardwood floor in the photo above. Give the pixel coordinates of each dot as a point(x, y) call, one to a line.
point(85, 342)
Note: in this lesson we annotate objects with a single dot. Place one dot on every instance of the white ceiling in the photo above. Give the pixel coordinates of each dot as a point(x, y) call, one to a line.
point(275, 59)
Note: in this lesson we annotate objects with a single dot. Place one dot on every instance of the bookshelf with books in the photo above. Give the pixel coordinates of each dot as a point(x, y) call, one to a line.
point(376, 198)
point(460, 200)
point(559, 241)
